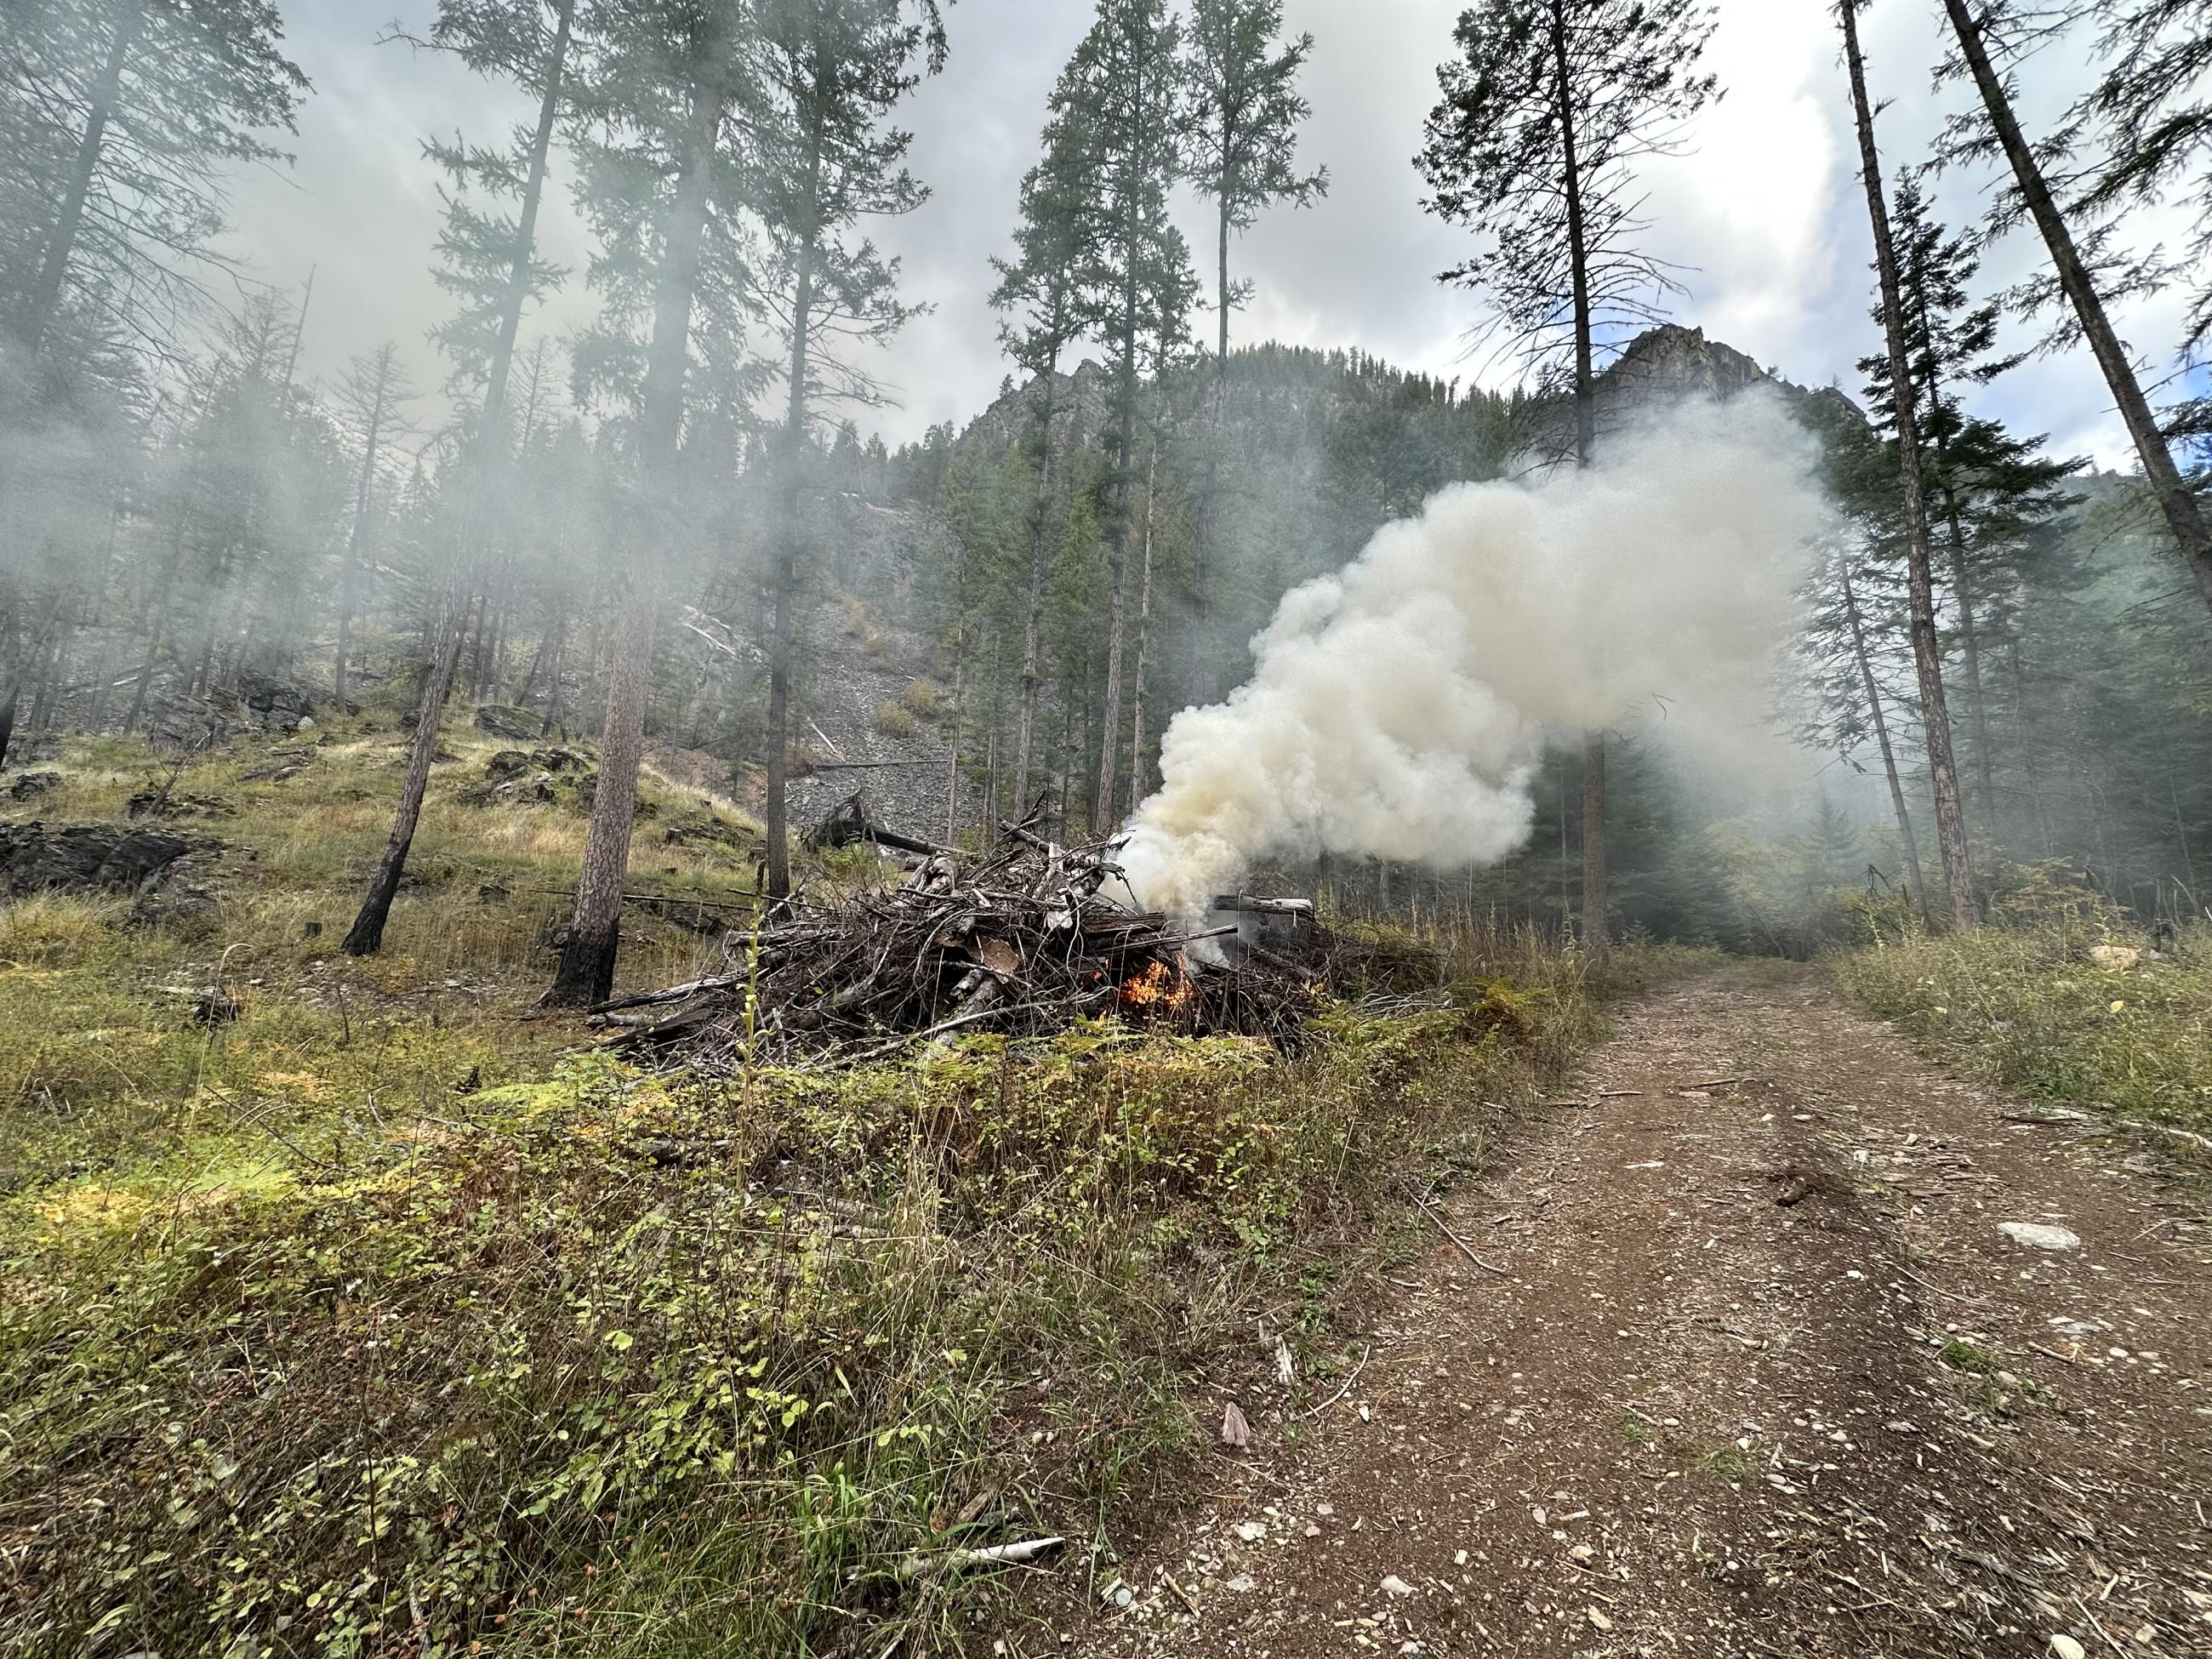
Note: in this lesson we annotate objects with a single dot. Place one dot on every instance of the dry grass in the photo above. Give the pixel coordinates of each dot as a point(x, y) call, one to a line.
point(368, 1323)
point(2030, 1007)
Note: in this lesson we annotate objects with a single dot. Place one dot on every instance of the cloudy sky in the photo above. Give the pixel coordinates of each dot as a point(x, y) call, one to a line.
point(1766, 208)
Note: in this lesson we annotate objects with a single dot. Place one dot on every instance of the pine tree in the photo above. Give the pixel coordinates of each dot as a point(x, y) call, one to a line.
point(1546, 109)
point(2152, 111)
point(2185, 517)
point(1043, 309)
point(147, 106)
point(1244, 111)
point(492, 264)
point(1121, 91)
point(1934, 716)
point(831, 73)
point(1985, 487)
point(664, 184)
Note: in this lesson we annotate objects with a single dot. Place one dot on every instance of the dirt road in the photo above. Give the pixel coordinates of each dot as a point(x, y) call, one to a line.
point(1750, 1367)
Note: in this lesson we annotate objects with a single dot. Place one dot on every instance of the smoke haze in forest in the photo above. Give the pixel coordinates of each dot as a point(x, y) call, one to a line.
point(1398, 706)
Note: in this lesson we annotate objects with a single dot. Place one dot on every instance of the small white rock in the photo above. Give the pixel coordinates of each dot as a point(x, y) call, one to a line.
point(1397, 1587)
point(2037, 1236)
point(2067, 1648)
point(1251, 1531)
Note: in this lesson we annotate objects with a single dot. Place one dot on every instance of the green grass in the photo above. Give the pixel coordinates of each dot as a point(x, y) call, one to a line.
point(2029, 1008)
point(381, 1320)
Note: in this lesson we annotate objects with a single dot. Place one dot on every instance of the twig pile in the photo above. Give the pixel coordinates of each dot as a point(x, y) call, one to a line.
point(1022, 943)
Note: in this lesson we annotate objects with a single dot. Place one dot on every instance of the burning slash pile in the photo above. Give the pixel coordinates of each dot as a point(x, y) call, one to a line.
point(1022, 943)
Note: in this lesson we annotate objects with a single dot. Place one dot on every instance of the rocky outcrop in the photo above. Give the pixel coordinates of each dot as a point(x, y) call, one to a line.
point(90, 858)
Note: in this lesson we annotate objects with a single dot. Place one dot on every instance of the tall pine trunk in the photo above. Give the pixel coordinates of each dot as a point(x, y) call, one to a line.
point(1033, 622)
point(1144, 628)
point(2185, 513)
point(785, 571)
point(366, 937)
point(1914, 885)
point(1927, 658)
point(1596, 931)
point(586, 970)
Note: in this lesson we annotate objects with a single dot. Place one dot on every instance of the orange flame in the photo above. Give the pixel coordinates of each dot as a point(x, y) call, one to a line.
point(1158, 988)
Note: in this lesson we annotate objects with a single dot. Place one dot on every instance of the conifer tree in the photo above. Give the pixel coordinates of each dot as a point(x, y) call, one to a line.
point(1546, 109)
point(1927, 659)
point(2144, 165)
point(664, 183)
point(1985, 487)
point(1244, 111)
point(492, 262)
point(126, 121)
point(1042, 303)
point(831, 71)
point(1121, 91)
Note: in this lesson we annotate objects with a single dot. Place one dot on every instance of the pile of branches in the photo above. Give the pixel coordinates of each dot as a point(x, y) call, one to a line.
point(1025, 942)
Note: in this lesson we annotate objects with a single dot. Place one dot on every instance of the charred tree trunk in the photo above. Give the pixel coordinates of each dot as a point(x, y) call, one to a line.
point(785, 571)
point(2185, 513)
point(593, 939)
point(1936, 720)
point(366, 937)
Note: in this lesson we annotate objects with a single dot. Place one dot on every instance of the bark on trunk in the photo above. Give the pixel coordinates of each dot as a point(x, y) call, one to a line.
point(1144, 626)
point(586, 969)
point(1033, 626)
point(2185, 513)
point(1934, 717)
point(785, 572)
point(1914, 885)
point(1597, 934)
point(366, 937)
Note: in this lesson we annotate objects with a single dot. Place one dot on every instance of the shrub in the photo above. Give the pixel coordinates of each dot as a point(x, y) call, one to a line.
point(892, 720)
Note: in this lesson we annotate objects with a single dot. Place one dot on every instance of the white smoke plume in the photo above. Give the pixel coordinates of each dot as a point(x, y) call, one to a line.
point(1398, 708)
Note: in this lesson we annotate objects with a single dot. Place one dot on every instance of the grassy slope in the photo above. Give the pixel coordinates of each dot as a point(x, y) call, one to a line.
point(2028, 1008)
point(303, 1350)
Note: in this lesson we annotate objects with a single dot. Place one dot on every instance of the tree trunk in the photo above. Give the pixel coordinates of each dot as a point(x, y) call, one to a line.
point(2185, 513)
point(1144, 625)
point(1033, 629)
point(1934, 718)
point(586, 969)
point(1596, 936)
point(46, 296)
point(1209, 504)
point(358, 537)
point(953, 769)
point(785, 572)
point(366, 937)
point(1913, 882)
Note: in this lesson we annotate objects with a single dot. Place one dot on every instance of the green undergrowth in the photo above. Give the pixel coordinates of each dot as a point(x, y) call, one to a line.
point(594, 1361)
point(2081, 1012)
